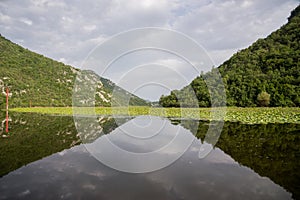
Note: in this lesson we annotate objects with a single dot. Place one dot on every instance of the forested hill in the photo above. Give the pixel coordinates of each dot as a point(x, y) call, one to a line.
point(35, 80)
point(266, 73)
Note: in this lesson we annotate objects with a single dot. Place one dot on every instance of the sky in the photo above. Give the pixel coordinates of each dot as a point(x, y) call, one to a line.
point(70, 31)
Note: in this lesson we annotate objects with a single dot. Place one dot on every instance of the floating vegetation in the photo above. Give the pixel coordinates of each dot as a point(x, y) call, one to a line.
point(230, 114)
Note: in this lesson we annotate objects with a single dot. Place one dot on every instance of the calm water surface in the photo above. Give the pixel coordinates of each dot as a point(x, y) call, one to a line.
point(43, 158)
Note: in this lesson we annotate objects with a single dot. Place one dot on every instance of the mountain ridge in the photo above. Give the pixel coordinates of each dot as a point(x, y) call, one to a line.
point(268, 65)
point(35, 80)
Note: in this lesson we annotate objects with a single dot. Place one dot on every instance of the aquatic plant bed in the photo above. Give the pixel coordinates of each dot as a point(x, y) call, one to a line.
point(230, 114)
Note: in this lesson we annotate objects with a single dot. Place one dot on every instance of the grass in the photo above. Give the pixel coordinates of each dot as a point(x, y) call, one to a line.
point(230, 114)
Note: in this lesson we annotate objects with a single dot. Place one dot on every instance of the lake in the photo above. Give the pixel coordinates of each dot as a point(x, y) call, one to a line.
point(44, 157)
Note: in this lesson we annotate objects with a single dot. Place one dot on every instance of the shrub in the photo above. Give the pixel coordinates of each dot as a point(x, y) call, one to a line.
point(263, 98)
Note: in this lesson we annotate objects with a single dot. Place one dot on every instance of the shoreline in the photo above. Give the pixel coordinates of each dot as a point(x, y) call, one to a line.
point(254, 115)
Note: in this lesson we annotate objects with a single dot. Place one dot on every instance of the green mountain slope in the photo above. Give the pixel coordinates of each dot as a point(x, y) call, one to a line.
point(271, 65)
point(35, 80)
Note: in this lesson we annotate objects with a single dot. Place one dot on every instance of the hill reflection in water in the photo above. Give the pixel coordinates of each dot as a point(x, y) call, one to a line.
point(249, 161)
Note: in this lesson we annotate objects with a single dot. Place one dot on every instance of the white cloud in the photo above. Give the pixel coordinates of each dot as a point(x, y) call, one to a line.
point(222, 25)
point(26, 21)
point(89, 28)
point(4, 18)
point(70, 30)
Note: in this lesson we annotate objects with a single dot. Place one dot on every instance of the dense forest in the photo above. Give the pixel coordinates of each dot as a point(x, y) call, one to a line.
point(35, 80)
point(264, 74)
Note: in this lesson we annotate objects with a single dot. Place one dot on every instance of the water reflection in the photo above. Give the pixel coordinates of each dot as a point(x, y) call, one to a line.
point(143, 144)
point(74, 174)
point(34, 136)
point(249, 162)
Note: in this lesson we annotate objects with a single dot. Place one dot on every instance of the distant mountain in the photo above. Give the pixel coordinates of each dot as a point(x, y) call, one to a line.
point(35, 80)
point(269, 65)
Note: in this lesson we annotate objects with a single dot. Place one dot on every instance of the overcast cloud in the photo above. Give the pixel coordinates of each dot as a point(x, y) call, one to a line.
point(68, 30)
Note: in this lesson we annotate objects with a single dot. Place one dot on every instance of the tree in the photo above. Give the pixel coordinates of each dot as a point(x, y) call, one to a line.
point(270, 64)
point(263, 98)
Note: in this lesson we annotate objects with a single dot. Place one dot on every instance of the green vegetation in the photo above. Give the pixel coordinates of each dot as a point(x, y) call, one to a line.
point(263, 99)
point(35, 80)
point(233, 114)
point(271, 65)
